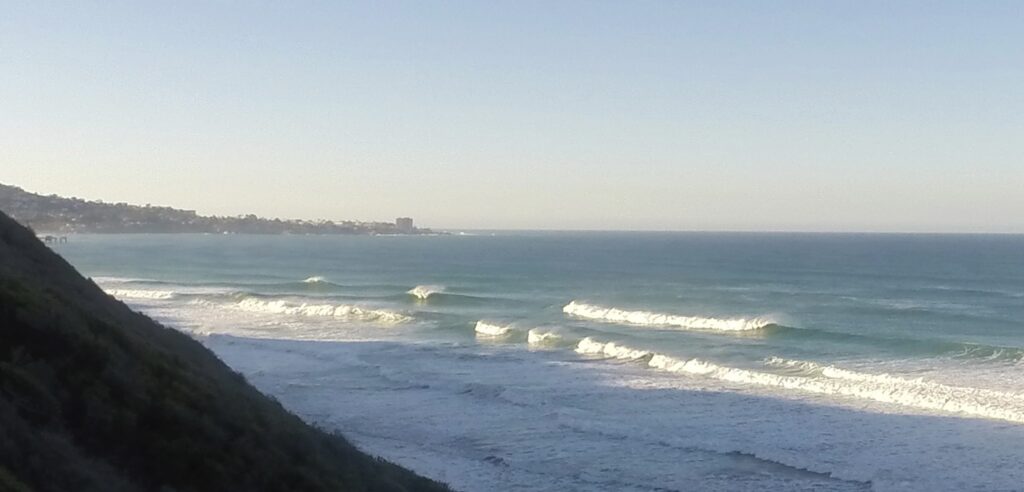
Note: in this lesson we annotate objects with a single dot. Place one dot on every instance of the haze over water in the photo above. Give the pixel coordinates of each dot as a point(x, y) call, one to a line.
point(619, 361)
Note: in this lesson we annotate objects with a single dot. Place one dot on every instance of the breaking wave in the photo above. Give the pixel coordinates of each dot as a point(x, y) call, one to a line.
point(343, 311)
point(141, 294)
point(648, 318)
point(934, 390)
point(315, 280)
point(540, 336)
point(589, 346)
point(425, 291)
point(988, 353)
point(490, 329)
point(829, 380)
point(123, 280)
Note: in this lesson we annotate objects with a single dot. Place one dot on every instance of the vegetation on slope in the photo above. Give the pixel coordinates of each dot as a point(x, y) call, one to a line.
point(96, 397)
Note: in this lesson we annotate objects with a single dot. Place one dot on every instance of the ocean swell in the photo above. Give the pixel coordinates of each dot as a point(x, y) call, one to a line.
point(648, 318)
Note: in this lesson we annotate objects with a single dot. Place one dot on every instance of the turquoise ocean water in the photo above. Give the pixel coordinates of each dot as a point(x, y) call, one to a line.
point(619, 361)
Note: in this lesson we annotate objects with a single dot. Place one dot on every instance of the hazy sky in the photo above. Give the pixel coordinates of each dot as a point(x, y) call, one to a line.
point(859, 115)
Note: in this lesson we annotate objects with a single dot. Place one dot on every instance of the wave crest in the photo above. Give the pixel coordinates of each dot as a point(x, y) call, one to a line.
point(491, 329)
point(833, 381)
point(648, 318)
point(539, 336)
point(315, 280)
point(425, 291)
point(141, 294)
point(122, 280)
point(589, 346)
point(344, 311)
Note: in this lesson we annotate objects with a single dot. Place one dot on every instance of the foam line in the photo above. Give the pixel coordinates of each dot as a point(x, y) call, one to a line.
point(344, 311)
point(648, 318)
point(828, 380)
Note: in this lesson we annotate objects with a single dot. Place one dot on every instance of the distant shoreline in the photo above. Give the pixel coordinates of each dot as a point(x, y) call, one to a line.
point(59, 215)
point(189, 233)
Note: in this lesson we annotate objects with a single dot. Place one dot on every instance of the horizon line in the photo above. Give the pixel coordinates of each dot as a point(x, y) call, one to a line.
point(746, 231)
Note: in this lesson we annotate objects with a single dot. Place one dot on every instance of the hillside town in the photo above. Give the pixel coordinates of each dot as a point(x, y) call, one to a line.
point(53, 214)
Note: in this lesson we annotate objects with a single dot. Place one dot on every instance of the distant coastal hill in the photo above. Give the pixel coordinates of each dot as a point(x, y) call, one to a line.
point(96, 397)
point(55, 214)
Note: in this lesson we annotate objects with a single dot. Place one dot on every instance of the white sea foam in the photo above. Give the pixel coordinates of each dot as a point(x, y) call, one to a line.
point(833, 381)
point(637, 434)
point(140, 294)
point(119, 280)
point(590, 346)
point(648, 318)
point(425, 291)
point(490, 329)
point(920, 385)
point(315, 280)
point(542, 336)
point(343, 311)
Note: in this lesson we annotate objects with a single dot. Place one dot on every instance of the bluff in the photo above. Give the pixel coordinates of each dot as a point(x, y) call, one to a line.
point(97, 397)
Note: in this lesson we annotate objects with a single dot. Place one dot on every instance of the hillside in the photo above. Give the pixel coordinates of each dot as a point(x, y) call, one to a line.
point(96, 397)
point(55, 214)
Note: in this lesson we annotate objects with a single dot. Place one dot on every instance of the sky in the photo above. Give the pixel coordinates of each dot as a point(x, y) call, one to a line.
point(635, 115)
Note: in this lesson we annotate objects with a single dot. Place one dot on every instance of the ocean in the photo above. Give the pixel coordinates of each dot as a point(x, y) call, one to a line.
point(618, 361)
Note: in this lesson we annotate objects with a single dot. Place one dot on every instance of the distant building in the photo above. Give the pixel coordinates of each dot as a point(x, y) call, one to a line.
point(404, 225)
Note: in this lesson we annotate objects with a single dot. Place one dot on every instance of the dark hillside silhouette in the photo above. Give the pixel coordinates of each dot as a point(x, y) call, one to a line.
point(96, 397)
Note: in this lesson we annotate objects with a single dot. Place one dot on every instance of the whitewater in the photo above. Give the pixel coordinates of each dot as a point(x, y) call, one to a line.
point(646, 318)
point(628, 361)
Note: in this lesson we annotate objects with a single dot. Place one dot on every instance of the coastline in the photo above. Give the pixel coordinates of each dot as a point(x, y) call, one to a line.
point(98, 397)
